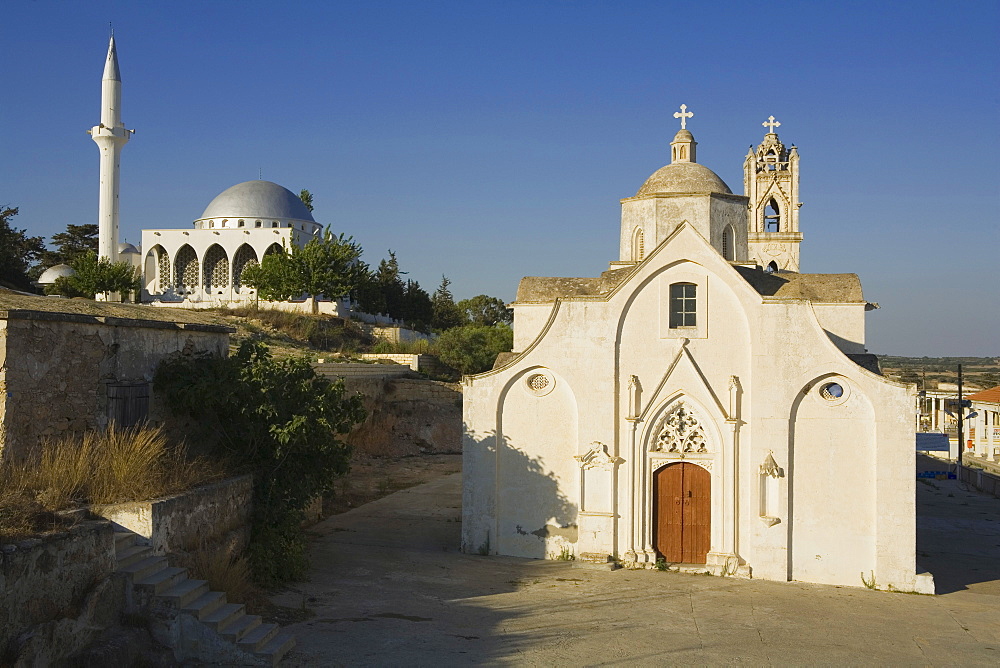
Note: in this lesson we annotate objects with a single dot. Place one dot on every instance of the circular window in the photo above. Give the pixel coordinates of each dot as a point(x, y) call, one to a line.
point(832, 391)
point(539, 384)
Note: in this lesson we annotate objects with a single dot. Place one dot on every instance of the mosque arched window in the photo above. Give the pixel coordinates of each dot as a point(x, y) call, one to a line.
point(274, 248)
point(241, 224)
point(245, 257)
point(216, 269)
point(211, 223)
point(274, 223)
point(772, 217)
point(728, 247)
point(186, 269)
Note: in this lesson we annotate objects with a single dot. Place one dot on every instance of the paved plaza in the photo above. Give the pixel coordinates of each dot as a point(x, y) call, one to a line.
point(389, 587)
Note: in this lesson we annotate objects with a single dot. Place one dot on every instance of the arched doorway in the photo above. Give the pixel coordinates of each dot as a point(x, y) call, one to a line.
point(682, 513)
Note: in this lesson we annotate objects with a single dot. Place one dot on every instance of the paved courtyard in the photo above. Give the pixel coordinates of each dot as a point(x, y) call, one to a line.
point(389, 587)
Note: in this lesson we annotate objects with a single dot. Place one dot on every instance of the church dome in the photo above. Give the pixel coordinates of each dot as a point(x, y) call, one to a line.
point(257, 199)
point(683, 177)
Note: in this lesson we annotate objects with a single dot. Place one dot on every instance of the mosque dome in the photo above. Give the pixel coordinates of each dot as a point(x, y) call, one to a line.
point(257, 199)
point(50, 275)
point(126, 247)
point(683, 177)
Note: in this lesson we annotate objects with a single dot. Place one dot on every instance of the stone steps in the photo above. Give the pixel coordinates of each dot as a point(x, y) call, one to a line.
point(171, 589)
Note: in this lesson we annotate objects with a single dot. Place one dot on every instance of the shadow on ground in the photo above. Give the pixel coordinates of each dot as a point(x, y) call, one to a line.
point(958, 534)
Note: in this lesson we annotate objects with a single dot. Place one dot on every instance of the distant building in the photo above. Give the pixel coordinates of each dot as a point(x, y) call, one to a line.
point(984, 428)
point(204, 266)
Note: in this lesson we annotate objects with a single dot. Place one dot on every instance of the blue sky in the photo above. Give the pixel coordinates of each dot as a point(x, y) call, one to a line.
point(488, 141)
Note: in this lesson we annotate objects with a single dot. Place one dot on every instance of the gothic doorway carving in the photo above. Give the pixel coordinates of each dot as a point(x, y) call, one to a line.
point(682, 513)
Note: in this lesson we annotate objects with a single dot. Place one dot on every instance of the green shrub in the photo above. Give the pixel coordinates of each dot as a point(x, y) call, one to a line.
point(473, 348)
point(278, 420)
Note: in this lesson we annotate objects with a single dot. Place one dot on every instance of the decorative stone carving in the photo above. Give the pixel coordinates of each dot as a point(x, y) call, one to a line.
point(634, 396)
point(598, 457)
point(771, 468)
point(680, 432)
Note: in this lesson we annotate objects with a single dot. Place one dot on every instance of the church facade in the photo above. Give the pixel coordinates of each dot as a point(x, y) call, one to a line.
point(700, 404)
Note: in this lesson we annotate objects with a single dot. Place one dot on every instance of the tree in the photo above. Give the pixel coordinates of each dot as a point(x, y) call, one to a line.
point(95, 276)
point(446, 313)
point(76, 241)
point(306, 198)
point(327, 265)
point(18, 251)
point(485, 310)
point(417, 311)
point(473, 348)
point(278, 420)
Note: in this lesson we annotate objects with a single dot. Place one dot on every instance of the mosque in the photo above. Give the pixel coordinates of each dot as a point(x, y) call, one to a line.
point(701, 404)
point(202, 266)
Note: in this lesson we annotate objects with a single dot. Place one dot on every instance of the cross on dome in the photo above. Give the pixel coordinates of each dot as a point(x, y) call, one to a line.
point(683, 114)
point(770, 124)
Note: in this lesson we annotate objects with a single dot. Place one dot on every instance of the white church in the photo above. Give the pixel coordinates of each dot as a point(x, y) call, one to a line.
point(701, 404)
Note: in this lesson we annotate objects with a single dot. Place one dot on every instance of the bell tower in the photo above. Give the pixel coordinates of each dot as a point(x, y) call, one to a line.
point(771, 182)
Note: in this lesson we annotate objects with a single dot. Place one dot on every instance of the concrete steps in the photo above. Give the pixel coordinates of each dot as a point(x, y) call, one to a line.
point(171, 589)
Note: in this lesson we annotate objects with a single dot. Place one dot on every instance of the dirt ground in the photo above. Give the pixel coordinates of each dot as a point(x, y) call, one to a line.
point(372, 478)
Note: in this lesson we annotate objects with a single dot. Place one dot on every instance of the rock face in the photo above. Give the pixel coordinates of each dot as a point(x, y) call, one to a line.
point(408, 416)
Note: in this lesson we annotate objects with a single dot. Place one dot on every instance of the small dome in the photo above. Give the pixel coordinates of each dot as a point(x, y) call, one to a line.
point(257, 200)
point(50, 275)
point(126, 247)
point(683, 177)
point(684, 135)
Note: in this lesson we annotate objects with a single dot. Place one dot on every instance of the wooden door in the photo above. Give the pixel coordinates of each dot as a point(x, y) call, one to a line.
point(682, 514)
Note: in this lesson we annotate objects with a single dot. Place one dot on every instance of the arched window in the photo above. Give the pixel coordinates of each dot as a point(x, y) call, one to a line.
point(683, 305)
point(728, 246)
point(186, 269)
point(772, 217)
point(274, 248)
point(771, 267)
point(638, 245)
point(216, 269)
point(257, 224)
point(245, 257)
point(274, 223)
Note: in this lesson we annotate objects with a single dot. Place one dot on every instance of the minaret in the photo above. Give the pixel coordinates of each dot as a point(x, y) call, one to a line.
point(771, 181)
point(110, 136)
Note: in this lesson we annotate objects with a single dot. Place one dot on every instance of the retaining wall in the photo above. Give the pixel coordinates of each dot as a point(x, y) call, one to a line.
point(987, 483)
point(210, 517)
point(49, 578)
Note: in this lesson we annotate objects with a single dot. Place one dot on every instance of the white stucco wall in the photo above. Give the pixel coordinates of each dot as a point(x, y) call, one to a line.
point(752, 370)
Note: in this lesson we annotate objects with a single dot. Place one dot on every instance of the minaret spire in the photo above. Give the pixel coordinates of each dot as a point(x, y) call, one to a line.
point(110, 136)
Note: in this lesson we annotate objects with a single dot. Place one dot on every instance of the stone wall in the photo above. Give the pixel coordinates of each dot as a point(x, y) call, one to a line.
point(211, 517)
point(348, 370)
point(56, 368)
point(55, 577)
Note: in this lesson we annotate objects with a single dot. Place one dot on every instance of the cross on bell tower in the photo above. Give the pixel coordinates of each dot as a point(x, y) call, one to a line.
point(684, 114)
point(682, 148)
point(771, 182)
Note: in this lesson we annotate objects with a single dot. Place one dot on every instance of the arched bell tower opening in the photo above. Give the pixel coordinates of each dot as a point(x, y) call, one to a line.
point(771, 181)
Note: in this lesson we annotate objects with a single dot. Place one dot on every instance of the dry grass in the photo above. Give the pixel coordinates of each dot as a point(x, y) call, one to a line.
point(112, 466)
point(224, 572)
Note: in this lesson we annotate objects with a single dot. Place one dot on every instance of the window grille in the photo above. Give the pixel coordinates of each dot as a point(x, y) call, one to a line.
point(245, 257)
point(163, 270)
point(216, 271)
point(683, 305)
point(186, 269)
